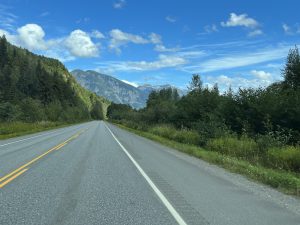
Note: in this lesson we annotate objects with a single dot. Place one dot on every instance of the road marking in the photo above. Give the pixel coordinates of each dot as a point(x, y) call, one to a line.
point(12, 178)
point(16, 172)
point(165, 201)
point(25, 139)
point(62, 145)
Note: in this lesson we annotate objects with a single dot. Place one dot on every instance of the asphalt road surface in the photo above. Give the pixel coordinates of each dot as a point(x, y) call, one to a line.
point(96, 173)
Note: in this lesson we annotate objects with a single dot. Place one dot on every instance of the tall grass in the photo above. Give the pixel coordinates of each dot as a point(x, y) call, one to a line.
point(243, 147)
point(13, 129)
point(182, 136)
point(287, 158)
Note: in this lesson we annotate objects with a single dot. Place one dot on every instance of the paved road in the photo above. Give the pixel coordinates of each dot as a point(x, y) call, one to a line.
point(96, 173)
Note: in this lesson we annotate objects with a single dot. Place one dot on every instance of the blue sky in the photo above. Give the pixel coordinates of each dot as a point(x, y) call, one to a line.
point(231, 42)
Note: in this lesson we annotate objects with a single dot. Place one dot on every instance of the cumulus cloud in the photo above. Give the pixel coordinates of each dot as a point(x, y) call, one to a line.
point(171, 19)
point(80, 44)
point(119, 4)
point(240, 20)
point(119, 38)
point(31, 36)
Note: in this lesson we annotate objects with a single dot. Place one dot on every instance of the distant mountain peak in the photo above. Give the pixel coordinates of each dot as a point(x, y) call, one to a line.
point(117, 90)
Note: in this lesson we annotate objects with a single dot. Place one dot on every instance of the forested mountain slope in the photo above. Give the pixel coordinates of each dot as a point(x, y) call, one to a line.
point(37, 88)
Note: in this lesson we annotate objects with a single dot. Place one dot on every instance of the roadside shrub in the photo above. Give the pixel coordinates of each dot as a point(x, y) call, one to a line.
point(230, 145)
point(267, 141)
point(287, 157)
point(182, 136)
point(209, 130)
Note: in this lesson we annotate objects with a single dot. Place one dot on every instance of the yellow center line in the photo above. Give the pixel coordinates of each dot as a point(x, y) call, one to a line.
point(14, 174)
point(62, 145)
point(12, 178)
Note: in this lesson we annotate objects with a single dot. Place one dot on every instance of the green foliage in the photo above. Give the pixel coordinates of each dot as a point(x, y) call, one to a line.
point(243, 147)
point(9, 112)
point(287, 157)
point(291, 71)
point(182, 136)
point(97, 111)
point(196, 83)
point(35, 88)
point(32, 110)
point(119, 111)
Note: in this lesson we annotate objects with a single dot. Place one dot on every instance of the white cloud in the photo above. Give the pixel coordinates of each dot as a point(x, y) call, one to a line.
point(159, 46)
point(155, 38)
point(162, 48)
point(130, 83)
point(255, 33)
point(239, 60)
point(163, 61)
point(208, 29)
point(119, 4)
point(97, 34)
point(261, 74)
point(236, 82)
point(119, 38)
point(31, 36)
point(240, 20)
point(171, 19)
point(80, 44)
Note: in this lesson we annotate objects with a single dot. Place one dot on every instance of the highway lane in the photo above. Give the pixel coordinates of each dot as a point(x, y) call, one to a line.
point(96, 177)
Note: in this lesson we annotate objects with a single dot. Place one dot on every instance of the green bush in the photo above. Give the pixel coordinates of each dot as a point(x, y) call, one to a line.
point(287, 157)
point(229, 145)
point(182, 136)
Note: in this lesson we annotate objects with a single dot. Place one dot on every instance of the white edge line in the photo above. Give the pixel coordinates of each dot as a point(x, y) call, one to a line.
point(165, 201)
point(25, 139)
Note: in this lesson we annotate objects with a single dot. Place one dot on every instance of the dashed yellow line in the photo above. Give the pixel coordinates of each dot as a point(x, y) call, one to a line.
point(17, 172)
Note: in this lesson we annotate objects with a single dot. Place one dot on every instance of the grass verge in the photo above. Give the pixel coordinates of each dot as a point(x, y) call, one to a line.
point(282, 180)
point(15, 129)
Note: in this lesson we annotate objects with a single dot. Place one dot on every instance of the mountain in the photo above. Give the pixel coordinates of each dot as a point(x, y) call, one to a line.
point(116, 90)
point(111, 88)
point(37, 88)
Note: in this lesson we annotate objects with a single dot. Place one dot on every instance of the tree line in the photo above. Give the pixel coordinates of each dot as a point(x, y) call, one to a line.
point(272, 112)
